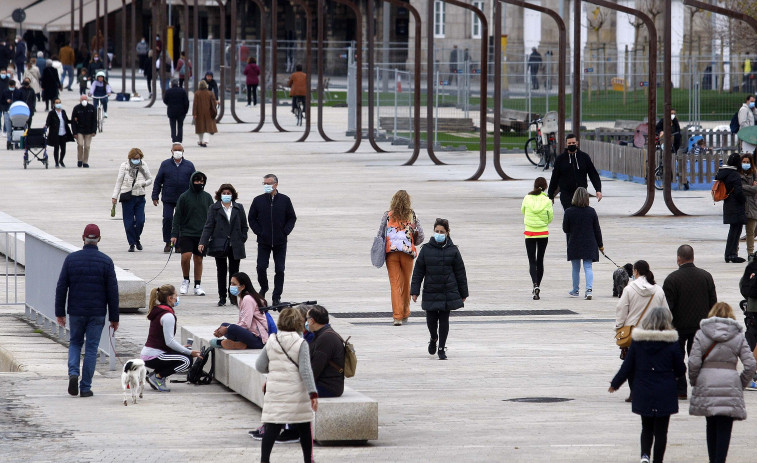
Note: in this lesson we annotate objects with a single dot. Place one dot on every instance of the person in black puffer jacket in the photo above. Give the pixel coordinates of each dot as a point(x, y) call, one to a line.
point(734, 206)
point(445, 287)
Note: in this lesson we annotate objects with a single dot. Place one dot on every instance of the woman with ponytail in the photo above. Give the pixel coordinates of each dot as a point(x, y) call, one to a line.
point(537, 215)
point(162, 352)
point(251, 330)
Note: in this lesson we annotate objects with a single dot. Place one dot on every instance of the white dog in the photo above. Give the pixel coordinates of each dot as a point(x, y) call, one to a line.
point(132, 378)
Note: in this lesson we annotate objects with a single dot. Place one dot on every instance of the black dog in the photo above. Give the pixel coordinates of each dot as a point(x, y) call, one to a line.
point(620, 279)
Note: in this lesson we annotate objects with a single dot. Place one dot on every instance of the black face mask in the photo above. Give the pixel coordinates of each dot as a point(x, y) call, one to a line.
point(572, 148)
point(197, 187)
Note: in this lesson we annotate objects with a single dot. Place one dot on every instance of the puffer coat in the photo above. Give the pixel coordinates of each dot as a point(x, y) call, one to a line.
point(446, 284)
point(537, 215)
point(734, 210)
point(750, 193)
point(717, 385)
point(219, 230)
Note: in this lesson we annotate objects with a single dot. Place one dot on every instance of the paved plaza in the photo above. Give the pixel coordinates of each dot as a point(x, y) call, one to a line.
point(455, 411)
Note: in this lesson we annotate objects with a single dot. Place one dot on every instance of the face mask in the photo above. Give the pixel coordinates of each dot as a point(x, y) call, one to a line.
point(751, 105)
point(234, 290)
point(135, 162)
point(58, 106)
point(197, 187)
point(268, 188)
point(84, 102)
point(440, 237)
point(96, 58)
point(26, 84)
point(746, 166)
point(176, 304)
point(3, 76)
point(177, 154)
point(307, 326)
point(572, 148)
point(226, 198)
point(672, 117)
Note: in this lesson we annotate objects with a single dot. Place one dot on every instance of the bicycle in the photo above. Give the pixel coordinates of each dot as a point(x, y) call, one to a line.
point(100, 113)
point(299, 108)
point(659, 172)
point(537, 153)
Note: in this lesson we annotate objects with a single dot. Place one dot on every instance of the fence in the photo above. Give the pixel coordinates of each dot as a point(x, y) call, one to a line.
point(10, 252)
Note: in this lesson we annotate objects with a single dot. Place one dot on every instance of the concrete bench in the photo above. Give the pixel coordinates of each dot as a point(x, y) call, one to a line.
point(351, 417)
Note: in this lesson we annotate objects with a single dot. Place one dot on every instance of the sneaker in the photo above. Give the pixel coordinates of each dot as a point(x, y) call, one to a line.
point(752, 386)
point(288, 436)
point(73, 385)
point(221, 302)
point(442, 353)
point(184, 287)
point(199, 291)
point(86, 394)
point(257, 434)
point(216, 342)
point(573, 293)
point(644, 459)
point(432, 346)
point(159, 384)
point(131, 248)
point(536, 292)
point(404, 320)
point(397, 322)
point(106, 115)
point(587, 295)
point(86, 166)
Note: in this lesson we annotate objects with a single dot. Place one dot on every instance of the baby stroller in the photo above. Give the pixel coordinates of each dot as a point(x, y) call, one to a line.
point(35, 142)
point(19, 115)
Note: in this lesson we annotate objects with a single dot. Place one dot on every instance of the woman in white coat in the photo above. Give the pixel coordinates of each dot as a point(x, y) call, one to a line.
point(133, 177)
point(290, 393)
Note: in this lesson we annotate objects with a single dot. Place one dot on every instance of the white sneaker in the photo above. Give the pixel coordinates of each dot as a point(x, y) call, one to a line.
point(199, 291)
point(184, 287)
point(106, 115)
point(644, 459)
point(752, 386)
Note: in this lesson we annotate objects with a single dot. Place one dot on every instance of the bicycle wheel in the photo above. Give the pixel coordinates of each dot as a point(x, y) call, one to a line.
point(298, 112)
point(659, 176)
point(532, 153)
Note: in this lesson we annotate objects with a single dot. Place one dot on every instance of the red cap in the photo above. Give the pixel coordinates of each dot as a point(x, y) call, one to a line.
point(91, 231)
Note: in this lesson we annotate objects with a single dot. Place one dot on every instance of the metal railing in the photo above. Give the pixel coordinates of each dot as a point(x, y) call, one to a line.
point(9, 250)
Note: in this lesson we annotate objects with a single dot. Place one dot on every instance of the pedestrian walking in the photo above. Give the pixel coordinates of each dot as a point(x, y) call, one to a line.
point(162, 352)
point(84, 128)
point(537, 215)
point(224, 236)
point(32, 72)
point(50, 84)
point(58, 132)
point(142, 49)
point(571, 169)
point(204, 114)
point(83, 81)
point(188, 222)
point(20, 57)
point(272, 219)
point(652, 365)
point(718, 386)
point(690, 293)
point(746, 117)
point(149, 70)
point(87, 289)
point(251, 330)
point(172, 180)
point(534, 63)
point(6, 98)
point(177, 106)
point(6, 54)
point(748, 174)
point(252, 79)
point(41, 61)
point(734, 206)
point(581, 224)
point(29, 97)
point(95, 66)
point(441, 269)
point(212, 84)
point(290, 393)
point(131, 183)
point(183, 68)
point(67, 59)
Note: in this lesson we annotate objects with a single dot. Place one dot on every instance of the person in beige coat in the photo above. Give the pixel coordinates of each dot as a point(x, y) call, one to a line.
point(642, 292)
point(290, 392)
point(717, 384)
point(133, 177)
point(204, 113)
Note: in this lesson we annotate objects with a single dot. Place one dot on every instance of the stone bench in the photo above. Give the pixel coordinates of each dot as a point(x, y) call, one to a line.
point(351, 417)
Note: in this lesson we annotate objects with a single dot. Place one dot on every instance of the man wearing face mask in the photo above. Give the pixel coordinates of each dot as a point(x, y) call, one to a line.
point(188, 223)
point(746, 119)
point(29, 97)
point(84, 127)
point(172, 180)
point(675, 129)
point(572, 167)
point(272, 219)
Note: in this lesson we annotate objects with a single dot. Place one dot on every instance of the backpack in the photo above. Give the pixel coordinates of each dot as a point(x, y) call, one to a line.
point(271, 324)
point(735, 126)
point(350, 359)
point(197, 374)
point(719, 191)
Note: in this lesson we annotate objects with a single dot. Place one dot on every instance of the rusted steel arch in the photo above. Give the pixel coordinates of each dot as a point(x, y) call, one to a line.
point(222, 55)
point(261, 59)
point(133, 12)
point(233, 56)
point(358, 73)
point(308, 64)
point(319, 57)
point(156, 22)
point(274, 63)
point(371, 77)
point(195, 52)
point(185, 29)
point(430, 85)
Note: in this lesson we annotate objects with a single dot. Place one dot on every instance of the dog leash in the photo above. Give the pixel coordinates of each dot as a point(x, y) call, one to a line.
point(111, 337)
point(610, 259)
point(170, 253)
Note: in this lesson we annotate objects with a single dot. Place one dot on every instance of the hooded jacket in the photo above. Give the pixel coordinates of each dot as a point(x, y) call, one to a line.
point(537, 215)
point(652, 364)
point(570, 172)
point(635, 297)
point(717, 385)
point(191, 210)
point(440, 267)
point(734, 206)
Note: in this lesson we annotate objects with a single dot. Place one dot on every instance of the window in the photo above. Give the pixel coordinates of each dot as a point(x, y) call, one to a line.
point(439, 17)
point(476, 24)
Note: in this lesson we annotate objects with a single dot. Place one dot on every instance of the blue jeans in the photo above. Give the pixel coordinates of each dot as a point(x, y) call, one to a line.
point(99, 100)
point(68, 70)
point(90, 326)
point(134, 218)
point(588, 272)
point(7, 124)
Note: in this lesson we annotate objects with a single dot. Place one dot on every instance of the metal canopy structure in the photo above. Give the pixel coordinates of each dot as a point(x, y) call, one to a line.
point(7, 7)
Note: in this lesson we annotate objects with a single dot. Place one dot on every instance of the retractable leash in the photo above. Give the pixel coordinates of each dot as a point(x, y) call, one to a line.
point(170, 253)
point(610, 260)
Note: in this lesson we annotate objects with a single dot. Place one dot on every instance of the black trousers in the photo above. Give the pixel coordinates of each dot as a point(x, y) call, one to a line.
point(732, 242)
point(272, 430)
point(168, 209)
point(535, 249)
point(438, 325)
point(252, 93)
point(685, 340)
point(718, 437)
point(177, 128)
point(654, 429)
point(750, 320)
point(566, 198)
point(224, 271)
point(169, 363)
point(279, 259)
point(59, 151)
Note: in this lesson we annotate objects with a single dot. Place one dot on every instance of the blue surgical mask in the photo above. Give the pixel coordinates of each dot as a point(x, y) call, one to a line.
point(751, 105)
point(3, 76)
point(58, 106)
point(307, 326)
point(440, 237)
point(176, 304)
point(135, 162)
point(746, 166)
point(268, 188)
point(234, 290)
point(226, 198)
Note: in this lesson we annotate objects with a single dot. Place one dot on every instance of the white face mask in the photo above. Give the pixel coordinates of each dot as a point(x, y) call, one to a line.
point(178, 154)
point(672, 117)
point(84, 102)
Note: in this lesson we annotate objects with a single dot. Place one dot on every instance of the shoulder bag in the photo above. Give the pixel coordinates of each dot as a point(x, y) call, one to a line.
point(378, 250)
point(125, 197)
point(623, 334)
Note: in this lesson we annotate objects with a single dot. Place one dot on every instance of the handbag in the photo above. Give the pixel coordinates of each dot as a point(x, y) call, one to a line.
point(623, 334)
point(378, 249)
point(125, 197)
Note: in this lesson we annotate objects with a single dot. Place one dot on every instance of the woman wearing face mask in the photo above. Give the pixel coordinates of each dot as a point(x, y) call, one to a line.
point(749, 186)
point(445, 287)
point(537, 215)
point(58, 132)
point(32, 73)
point(251, 330)
point(133, 177)
point(734, 206)
point(224, 235)
point(29, 97)
point(162, 352)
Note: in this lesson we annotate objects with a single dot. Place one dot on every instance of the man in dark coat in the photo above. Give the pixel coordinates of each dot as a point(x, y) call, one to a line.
point(50, 84)
point(326, 353)
point(84, 127)
point(172, 180)
point(734, 211)
point(212, 84)
point(6, 54)
point(20, 58)
point(177, 106)
point(4, 105)
point(534, 63)
point(572, 167)
point(272, 219)
point(9, 95)
point(675, 128)
point(690, 292)
point(87, 289)
point(29, 97)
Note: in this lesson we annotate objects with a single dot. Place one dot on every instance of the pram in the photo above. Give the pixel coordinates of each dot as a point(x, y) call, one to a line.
point(19, 115)
point(35, 142)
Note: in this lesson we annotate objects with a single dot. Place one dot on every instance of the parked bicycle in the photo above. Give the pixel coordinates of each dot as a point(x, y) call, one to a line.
point(539, 153)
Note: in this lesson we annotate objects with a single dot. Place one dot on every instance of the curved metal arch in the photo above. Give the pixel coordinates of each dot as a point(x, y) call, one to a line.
point(358, 73)
point(308, 65)
point(234, 59)
point(371, 77)
point(274, 62)
point(157, 16)
point(430, 84)
point(222, 56)
point(262, 9)
point(320, 59)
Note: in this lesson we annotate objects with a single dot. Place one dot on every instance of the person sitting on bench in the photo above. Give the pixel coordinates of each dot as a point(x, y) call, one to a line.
point(251, 330)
